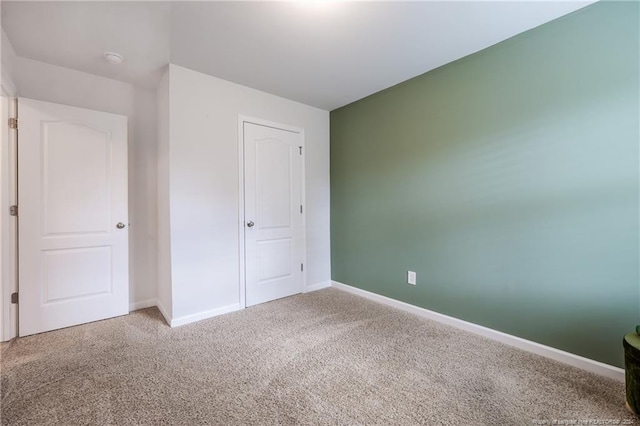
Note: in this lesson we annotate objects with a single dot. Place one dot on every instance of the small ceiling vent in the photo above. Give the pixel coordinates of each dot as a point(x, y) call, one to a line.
point(113, 57)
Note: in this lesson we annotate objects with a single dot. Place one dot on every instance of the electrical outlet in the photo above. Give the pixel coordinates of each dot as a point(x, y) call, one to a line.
point(411, 277)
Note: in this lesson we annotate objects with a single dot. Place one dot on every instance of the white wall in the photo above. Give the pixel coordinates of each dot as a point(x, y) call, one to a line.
point(51, 83)
point(164, 227)
point(7, 64)
point(204, 196)
point(143, 202)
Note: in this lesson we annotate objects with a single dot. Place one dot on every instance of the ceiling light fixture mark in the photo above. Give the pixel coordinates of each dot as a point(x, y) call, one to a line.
point(113, 58)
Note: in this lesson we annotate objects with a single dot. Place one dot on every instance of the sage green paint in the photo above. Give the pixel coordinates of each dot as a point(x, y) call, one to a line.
point(509, 181)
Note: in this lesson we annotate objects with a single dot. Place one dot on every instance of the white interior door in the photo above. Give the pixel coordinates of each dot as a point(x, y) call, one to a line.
point(73, 216)
point(274, 248)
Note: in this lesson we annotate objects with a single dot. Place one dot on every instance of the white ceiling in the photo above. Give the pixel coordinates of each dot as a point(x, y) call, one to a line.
point(76, 34)
point(323, 53)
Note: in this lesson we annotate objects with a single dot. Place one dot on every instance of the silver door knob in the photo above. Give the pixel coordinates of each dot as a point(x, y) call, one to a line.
point(120, 225)
point(250, 224)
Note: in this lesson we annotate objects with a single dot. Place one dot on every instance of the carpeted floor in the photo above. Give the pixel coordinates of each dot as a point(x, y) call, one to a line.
point(326, 357)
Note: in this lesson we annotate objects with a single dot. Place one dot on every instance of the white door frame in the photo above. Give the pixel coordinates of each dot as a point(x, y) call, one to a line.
point(8, 223)
point(241, 219)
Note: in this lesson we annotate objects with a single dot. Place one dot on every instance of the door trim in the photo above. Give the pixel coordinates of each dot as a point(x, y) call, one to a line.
point(241, 219)
point(9, 224)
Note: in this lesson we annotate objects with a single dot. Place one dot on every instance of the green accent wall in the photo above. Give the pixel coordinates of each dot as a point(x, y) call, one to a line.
point(509, 181)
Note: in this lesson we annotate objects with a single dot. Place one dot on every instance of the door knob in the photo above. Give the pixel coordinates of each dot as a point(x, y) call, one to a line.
point(250, 224)
point(120, 225)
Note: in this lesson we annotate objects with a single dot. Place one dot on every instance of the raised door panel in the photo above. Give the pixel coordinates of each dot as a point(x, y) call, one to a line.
point(273, 183)
point(76, 168)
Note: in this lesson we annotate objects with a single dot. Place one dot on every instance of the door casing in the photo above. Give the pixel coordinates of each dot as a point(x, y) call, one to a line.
point(241, 213)
point(9, 224)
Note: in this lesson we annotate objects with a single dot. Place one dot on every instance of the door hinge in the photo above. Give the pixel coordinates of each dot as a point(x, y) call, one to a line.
point(13, 210)
point(300, 150)
point(300, 208)
point(14, 298)
point(13, 123)
point(302, 266)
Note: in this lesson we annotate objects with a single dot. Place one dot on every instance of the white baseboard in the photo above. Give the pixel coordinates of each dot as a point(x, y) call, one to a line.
point(518, 342)
point(164, 312)
point(188, 319)
point(134, 306)
point(317, 286)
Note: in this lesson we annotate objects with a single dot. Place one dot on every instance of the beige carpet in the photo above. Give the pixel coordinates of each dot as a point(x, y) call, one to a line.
point(320, 358)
